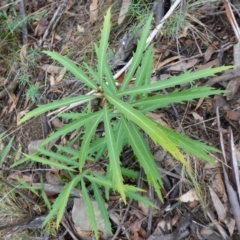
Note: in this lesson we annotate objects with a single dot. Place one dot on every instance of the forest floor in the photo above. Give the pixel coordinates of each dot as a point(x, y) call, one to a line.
point(198, 34)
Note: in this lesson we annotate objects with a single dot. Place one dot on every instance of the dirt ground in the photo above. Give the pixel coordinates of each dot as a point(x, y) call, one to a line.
point(198, 34)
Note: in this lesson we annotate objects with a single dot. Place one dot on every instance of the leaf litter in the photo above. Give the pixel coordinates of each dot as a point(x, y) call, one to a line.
point(177, 58)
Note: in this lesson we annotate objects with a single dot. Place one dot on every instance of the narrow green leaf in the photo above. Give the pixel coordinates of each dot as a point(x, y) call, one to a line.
point(173, 81)
point(92, 72)
point(44, 196)
point(110, 83)
point(25, 185)
point(129, 173)
point(90, 209)
point(55, 104)
point(59, 157)
point(60, 203)
point(190, 146)
point(5, 151)
point(143, 75)
point(149, 126)
point(102, 50)
point(99, 145)
point(139, 198)
point(114, 161)
point(119, 135)
point(137, 56)
point(68, 128)
point(99, 179)
point(144, 156)
point(43, 161)
point(72, 115)
point(102, 207)
point(68, 150)
point(159, 101)
point(88, 135)
point(70, 65)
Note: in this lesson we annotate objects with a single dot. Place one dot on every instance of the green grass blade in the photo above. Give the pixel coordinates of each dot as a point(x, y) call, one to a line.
point(55, 104)
point(67, 150)
point(103, 45)
point(143, 75)
point(99, 179)
point(59, 157)
point(43, 161)
point(70, 65)
point(173, 81)
point(194, 147)
point(72, 115)
point(70, 127)
point(92, 72)
point(130, 173)
point(99, 145)
point(114, 161)
point(60, 203)
point(5, 151)
point(149, 126)
point(137, 56)
point(119, 135)
point(159, 101)
point(144, 156)
point(111, 84)
point(139, 198)
point(102, 207)
point(88, 135)
point(90, 209)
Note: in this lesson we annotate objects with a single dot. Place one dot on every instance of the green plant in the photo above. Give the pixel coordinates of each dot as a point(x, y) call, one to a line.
point(33, 93)
point(125, 120)
point(174, 24)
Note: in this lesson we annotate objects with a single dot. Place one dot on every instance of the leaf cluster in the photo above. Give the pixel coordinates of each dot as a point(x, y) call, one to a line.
point(125, 120)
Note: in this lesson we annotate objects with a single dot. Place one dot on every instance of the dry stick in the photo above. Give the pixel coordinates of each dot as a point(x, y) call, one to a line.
point(24, 26)
point(150, 213)
point(54, 21)
point(232, 196)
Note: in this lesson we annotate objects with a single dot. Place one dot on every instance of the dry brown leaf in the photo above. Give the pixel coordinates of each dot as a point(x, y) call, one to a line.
point(208, 54)
point(233, 87)
point(123, 10)
point(213, 63)
point(183, 65)
point(220, 209)
point(218, 187)
point(23, 52)
point(21, 114)
point(233, 115)
point(81, 219)
point(93, 11)
point(61, 75)
point(189, 196)
point(41, 27)
point(197, 117)
point(52, 178)
point(158, 117)
point(24, 177)
point(57, 123)
point(51, 69)
point(166, 61)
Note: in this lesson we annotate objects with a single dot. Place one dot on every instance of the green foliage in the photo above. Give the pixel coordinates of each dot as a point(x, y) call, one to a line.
point(174, 24)
point(33, 93)
point(4, 150)
point(125, 121)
